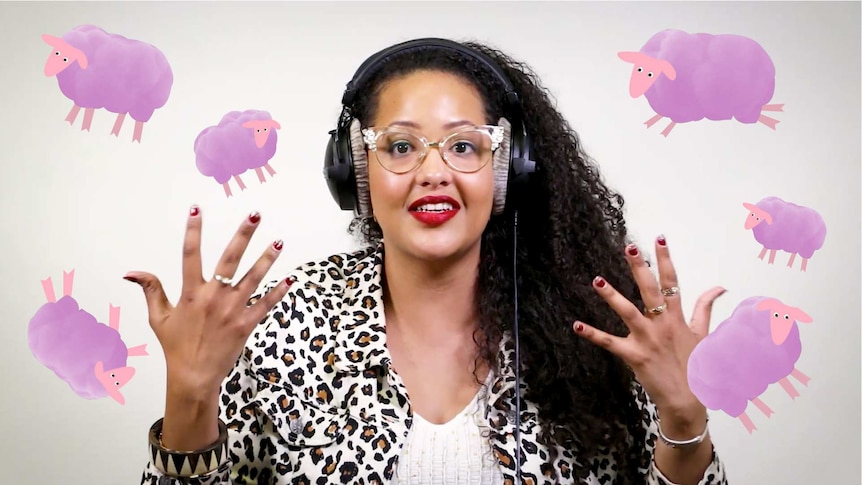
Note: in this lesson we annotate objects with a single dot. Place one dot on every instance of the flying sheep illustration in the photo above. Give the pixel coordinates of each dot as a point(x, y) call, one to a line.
point(777, 224)
point(241, 141)
point(689, 77)
point(88, 355)
point(97, 70)
point(756, 346)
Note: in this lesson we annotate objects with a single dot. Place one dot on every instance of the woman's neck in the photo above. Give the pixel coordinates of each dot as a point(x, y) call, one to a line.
point(433, 301)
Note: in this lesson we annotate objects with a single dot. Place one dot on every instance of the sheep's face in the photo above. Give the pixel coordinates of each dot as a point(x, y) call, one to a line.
point(645, 71)
point(262, 129)
point(782, 318)
point(756, 215)
point(114, 379)
point(62, 56)
point(433, 105)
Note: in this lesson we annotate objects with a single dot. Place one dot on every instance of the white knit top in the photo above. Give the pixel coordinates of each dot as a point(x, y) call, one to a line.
point(453, 453)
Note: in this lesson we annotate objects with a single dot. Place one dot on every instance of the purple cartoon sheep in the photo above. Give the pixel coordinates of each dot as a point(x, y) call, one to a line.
point(777, 224)
point(241, 141)
point(756, 346)
point(96, 70)
point(688, 77)
point(88, 355)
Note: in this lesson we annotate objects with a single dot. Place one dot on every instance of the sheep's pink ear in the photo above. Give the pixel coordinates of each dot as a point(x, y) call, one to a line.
point(800, 316)
point(276, 125)
point(668, 70)
point(766, 304)
point(51, 40)
point(630, 56)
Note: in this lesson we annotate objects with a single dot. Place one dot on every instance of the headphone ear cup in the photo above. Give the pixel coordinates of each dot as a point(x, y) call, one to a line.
point(338, 171)
point(501, 161)
point(359, 158)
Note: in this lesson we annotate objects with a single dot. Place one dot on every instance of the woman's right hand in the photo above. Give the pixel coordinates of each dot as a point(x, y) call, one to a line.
point(203, 335)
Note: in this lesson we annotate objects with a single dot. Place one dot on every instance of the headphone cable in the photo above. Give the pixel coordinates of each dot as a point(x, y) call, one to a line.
point(517, 359)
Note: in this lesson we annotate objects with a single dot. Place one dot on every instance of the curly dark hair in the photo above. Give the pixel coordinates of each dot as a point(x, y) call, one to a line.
point(570, 229)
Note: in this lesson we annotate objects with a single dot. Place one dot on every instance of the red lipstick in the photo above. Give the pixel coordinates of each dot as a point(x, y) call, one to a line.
point(434, 216)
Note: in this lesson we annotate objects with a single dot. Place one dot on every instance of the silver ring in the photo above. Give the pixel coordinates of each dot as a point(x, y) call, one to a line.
point(223, 280)
point(673, 290)
point(657, 310)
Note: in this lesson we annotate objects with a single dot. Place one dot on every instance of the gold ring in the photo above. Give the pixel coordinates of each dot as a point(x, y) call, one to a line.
point(657, 310)
point(673, 290)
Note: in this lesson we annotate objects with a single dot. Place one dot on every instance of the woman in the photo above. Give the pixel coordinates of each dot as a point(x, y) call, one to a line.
point(395, 364)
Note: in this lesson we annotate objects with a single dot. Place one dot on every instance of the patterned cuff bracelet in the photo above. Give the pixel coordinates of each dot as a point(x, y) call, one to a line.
point(187, 463)
point(683, 444)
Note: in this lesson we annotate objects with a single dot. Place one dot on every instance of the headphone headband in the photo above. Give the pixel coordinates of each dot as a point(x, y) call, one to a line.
point(373, 64)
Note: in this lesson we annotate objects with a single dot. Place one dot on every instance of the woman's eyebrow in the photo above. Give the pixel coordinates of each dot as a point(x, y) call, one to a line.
point(412, 124)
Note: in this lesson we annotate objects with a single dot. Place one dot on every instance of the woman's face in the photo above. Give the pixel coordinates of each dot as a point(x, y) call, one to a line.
point(434, 104)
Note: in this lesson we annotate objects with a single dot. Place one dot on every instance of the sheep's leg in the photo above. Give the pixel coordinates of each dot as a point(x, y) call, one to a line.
point(790, 262)
point(73, 113)
point(766, 120)
point(118, 124)
point(138, 351)
point(114, 317)
point(653, 120)
point(269, 169)
point(88, 119)
point(139, 130)
point(259, 173)
point(773, 107)
point(749, 424)
point(772, 256)
point(67, 282)
point(762, 253)
point(48, 288)
point(666, 131)
point(804, 264)
point(799, 376)
point(227, 191)
point(239, 182)
point(762, 407)
point(788, 388)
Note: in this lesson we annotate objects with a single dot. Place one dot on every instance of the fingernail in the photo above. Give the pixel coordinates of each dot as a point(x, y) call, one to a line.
point(278, 245)
point(579, 327)
point(633, 250)
point(289, 281)
point(599, 281)
point(194, 210)
point(662, 241)
point(130, 278)
point(254, 217)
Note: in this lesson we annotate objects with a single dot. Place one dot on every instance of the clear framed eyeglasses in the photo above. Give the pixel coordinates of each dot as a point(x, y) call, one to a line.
point(466, 150)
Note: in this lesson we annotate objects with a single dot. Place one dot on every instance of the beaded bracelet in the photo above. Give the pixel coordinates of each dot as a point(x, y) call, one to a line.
point(187, 464)
point(683, 444)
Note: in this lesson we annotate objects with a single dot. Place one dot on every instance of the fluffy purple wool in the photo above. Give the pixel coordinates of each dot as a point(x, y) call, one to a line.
point(738, 360)
point(123, 75)
point(794, 228)
point(718, 77)
point(70, 341)
point(228, 149)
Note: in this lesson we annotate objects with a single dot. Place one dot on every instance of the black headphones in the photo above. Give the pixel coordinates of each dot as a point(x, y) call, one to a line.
point(338, 166)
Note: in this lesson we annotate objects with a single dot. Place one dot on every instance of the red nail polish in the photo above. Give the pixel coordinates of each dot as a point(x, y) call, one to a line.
point(195, 210)
point(278, 245)
point(290, 280)
point(579, 327)
point(600, 282)
point(130, 278)
point(254, 217)
point(661, 241)
point(633, 250)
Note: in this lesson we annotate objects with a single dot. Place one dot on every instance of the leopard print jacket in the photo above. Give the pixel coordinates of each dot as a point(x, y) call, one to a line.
point(313, 400)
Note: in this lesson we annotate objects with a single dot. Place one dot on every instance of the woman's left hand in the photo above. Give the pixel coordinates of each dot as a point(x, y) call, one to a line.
point(660, 342)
